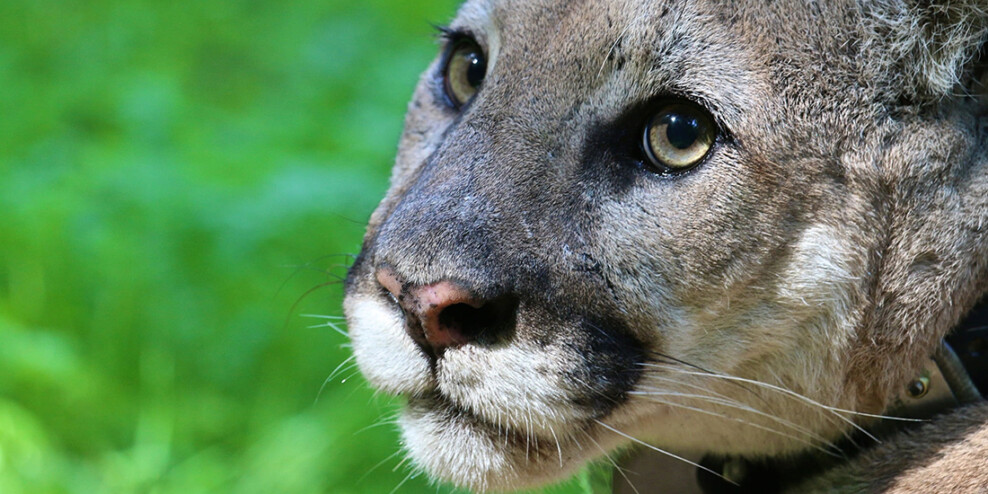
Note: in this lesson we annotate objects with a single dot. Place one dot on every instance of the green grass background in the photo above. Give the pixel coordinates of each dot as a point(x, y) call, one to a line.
point(174, 177)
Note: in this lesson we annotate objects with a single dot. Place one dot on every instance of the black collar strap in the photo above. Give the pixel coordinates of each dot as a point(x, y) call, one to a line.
point(970, 340)
point(943, 384)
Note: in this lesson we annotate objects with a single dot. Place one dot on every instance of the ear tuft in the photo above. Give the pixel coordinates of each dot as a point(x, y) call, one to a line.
point(926, 47)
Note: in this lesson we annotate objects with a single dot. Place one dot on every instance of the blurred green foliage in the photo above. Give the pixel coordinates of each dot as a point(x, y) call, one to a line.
point(174, 177)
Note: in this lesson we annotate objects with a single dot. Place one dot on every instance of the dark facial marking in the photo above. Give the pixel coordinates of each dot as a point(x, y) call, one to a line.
point(612, 364)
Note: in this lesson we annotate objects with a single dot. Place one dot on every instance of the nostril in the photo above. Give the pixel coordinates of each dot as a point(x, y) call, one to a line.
point(488, 323)
point(462, 318)
point(448, 314)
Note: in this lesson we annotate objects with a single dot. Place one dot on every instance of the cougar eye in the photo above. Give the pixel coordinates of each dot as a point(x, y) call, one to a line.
point(678, 137)
point(464, 72)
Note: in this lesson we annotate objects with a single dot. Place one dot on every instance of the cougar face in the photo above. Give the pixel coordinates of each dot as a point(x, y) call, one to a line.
point(698, 224)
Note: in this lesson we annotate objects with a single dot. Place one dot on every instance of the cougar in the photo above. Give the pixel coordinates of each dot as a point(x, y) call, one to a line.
point(732, 229)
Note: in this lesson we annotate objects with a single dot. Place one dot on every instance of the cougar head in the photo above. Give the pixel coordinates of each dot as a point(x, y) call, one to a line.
point(713, 226)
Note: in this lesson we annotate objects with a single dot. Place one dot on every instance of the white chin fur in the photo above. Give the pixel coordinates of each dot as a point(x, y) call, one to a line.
point(386, 355)
point(457, 448)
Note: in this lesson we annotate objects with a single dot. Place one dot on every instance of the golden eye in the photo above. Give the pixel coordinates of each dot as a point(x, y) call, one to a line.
point(679, 137)
point(465, 69)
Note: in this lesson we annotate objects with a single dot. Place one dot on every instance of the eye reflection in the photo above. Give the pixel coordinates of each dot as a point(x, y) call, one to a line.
point(678, 137)
point(464, 72)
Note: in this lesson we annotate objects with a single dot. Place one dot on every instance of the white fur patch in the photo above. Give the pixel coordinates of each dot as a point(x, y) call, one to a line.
point(386, 355)
point(519, 386)
point(821, 275)
point(449, 445)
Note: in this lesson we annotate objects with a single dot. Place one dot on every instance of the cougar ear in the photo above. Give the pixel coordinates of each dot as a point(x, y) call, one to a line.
point(927, 48)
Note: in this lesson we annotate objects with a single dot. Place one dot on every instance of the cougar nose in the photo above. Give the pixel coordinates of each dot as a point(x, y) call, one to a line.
point(448, 314)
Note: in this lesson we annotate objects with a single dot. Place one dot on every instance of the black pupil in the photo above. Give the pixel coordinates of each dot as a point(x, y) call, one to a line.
point(476, 68)
point(916, 388)
point(681, 130)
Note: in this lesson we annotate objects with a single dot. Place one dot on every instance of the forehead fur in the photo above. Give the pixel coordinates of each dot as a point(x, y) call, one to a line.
point(892, 48)
point(772, 73)
point(613, 52)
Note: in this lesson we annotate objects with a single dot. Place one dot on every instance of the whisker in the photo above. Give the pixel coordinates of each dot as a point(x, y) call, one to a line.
point(393, 420)
point(798, 396)
point(660, 450)
point(752, 424)
point(610, 460)
point(338, 367)
point(305, 295)
point(559, 448)
point(337, 370)
point(688, 385)
point(347, 378)
point(401, 463)
point(411, 475)
point(701, 369)
point(333, 326)
point(322, 316)
point(378, 465)
point(793, 394)
point(727, 402)
point(308, 265)
point(828, 416)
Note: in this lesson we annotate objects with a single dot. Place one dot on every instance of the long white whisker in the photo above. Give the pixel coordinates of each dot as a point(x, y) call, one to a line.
point(834, 410)
point(660, 450)
point(773, 387)
point(400, 463)
point(339, 369)
point(411, 475)
point(613, 463)
point(322, 316)
point(559, 448)
point(725, 397)
point(688, 384)
point(378, 465)
point(826, 415)
point(331, 325)
point(739, 406)
point(788, 392)
point(379, 423)
point(757, 426)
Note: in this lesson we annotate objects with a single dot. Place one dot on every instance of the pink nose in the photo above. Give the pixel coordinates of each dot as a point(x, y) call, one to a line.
point(439, 315)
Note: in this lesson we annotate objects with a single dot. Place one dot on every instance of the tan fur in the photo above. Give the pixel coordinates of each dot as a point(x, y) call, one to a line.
point(751, 306)
point(947, 456)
